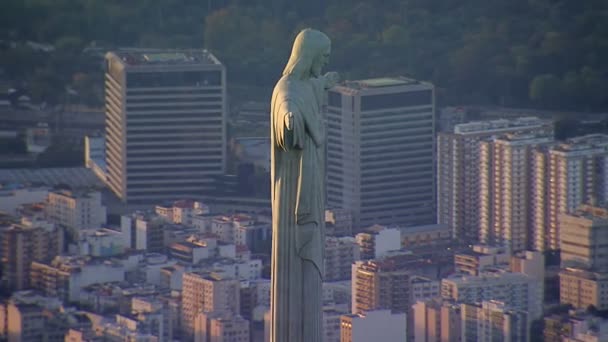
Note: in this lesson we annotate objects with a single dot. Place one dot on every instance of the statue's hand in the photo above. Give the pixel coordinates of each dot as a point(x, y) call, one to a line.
point(331, 79)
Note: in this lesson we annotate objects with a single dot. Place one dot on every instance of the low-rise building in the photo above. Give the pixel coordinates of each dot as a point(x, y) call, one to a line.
point(340, 253)
point(377, 241)
point(423, 288)
point(76, 210)
point(582, 288)
point(380, 325)
point(220, 327)
point(427, 235)
point(66, 276)
point(518, 291)
point(480, 257)
point(437, 320)
point(493, 321)
point(102, 242)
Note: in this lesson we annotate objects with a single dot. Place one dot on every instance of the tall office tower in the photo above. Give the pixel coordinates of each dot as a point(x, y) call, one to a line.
point(576, 172)
point(493, 321)
point(458, 170)
point(165, 123)
point(207, 293)
point(518, 291)
point(380, 151)
point(379, 284)
point(504, 189)
point(584, 239)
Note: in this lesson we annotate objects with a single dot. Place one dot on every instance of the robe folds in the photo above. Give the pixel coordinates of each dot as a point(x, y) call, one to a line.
point(298, 219)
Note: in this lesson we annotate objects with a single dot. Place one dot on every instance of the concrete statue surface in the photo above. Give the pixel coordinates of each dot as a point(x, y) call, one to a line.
point(297, 181)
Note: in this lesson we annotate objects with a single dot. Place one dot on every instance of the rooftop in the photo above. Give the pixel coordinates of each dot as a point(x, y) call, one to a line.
point(500, 125)
point(381, 82)
point(145, 57)
point(74, 177)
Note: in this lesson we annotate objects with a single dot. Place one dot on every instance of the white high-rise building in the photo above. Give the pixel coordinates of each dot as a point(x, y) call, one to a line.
point(504, 189)
point(380, 151)
point(458, 170)
point(165, 123)
point(575, 173)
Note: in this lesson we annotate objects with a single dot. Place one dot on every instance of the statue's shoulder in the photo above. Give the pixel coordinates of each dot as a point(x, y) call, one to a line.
point(285, 89)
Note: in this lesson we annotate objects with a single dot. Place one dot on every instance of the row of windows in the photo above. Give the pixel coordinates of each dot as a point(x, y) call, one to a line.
point(396, 167)
point(168, 192)
point(178, 136)
point(162, 169)
point(163, 176)
point(143, 117)
point(171, 153)
point(170, 130)
point(190, 145)
point(215, 97)
point(172, 123)
point(173, 91)
point(174, 78)
point(407, 99)
point(181, 183)
point(175, 108)
point(174, 163)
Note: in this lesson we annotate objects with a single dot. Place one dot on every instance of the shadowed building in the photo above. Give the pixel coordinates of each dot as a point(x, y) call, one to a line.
point(380, 151)
point(165, 123)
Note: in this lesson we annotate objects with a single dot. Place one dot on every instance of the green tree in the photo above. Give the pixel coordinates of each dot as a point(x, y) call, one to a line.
point(545, 90)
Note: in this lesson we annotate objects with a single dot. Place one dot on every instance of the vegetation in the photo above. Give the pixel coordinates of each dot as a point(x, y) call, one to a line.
point(545, 53)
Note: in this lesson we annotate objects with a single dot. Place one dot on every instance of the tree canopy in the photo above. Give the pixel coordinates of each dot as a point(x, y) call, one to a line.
point(546, 53)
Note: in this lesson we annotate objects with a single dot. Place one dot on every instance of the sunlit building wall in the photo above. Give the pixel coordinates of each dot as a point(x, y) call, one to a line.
point(504, 189)
point(458, 168)
point(577, 174)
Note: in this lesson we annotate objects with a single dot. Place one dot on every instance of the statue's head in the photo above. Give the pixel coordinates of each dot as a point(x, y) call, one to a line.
point(310, 53)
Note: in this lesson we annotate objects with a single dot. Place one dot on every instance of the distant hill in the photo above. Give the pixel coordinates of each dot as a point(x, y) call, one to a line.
point(545, 53)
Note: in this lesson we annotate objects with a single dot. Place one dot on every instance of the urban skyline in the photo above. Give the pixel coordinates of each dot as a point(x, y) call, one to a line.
point(466, 176)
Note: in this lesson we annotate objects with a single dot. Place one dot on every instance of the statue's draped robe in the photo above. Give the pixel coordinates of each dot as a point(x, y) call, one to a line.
point(298, 222)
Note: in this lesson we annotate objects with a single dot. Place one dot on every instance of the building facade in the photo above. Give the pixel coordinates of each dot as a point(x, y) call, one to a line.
point(207, 292)
point(165, 123)
point(436, 320)
point(575, 173)
point(518, 291)
point(584, 238)
point(582, 288)
point(379, 285)
point(379, 325)
point(458, 170)
point(493, 321)
point(504, 189)
point(76, 210)
point(340, 253)
point(380, 151)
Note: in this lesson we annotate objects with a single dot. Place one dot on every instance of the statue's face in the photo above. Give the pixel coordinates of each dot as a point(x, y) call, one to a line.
point(321, 60)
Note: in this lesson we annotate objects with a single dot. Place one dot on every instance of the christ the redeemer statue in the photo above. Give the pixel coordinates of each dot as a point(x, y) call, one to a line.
point(297, 180)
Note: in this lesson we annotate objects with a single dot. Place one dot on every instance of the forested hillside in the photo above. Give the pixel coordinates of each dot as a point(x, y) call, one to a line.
point(546, 53)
